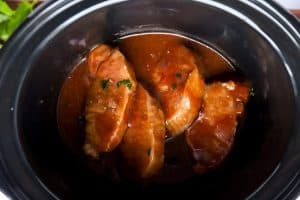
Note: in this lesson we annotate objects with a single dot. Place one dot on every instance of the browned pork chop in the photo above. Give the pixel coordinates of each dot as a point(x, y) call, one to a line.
point(143, 143)
point(170, 70)
point(107, 102)
point(212, 134)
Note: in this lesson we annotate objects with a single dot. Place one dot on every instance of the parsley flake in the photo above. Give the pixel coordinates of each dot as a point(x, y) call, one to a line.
point(174, 86)
point(125, 82)
point(104, 83)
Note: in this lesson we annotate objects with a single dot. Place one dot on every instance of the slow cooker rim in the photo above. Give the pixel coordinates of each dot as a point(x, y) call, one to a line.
point(48, 7)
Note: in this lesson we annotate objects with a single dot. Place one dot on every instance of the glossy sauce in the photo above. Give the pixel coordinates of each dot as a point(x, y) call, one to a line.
point(71, 105)
point(179, 161)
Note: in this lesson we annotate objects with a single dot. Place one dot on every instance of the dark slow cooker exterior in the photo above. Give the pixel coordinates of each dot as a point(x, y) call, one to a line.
point(261, 38)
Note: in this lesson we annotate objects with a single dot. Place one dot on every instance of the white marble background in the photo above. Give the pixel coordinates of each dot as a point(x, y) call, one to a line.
point(290, 4)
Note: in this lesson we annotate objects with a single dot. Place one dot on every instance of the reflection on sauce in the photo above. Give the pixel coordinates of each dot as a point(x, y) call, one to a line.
point(163, 63)
point(210, 63)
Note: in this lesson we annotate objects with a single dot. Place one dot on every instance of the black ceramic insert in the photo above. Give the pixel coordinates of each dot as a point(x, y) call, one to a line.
point(260, 38)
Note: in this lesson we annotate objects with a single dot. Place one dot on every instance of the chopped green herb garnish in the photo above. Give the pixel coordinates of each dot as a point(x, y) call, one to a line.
point(149, 151)
point(178, 75)
point(174, 86)
point(125, 82)
point(251, 92)
point(104, 83)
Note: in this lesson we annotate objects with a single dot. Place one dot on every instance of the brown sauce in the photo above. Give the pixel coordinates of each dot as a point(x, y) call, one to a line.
point(70, 108)
point(178, 164)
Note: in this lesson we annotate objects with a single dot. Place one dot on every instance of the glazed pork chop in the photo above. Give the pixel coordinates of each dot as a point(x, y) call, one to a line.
point(170, 71)
point(211, 136)
point(96, 57)
point(181, 102)
point(107, 104)
point(143, 143)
